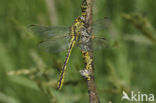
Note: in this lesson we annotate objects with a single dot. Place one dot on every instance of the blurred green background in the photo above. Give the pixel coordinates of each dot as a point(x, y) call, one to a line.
point(28, 75)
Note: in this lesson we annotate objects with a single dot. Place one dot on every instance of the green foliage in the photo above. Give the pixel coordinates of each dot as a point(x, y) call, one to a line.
point(28, 75)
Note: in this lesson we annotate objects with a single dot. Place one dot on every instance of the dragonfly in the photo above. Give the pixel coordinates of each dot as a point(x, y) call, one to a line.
point(58, 38)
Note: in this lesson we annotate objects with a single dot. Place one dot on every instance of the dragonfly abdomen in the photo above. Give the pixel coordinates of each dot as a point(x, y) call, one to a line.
point(71, 45)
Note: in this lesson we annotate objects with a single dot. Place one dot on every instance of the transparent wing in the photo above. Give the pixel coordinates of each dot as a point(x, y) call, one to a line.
point(99, 43)
point(100, 26)
point(54, 44)
point(100, 32)
point(48, 32)
point(53, 39)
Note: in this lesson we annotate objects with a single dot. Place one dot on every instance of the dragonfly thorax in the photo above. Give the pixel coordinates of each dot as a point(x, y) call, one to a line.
point(78, 26)
point(80, 19)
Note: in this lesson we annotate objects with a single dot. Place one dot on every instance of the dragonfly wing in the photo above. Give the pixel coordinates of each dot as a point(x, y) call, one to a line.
point(54, 44)
point(101, 26)
point(99, 43)
point(53, 39)
point(48, 32)
point(101, 29)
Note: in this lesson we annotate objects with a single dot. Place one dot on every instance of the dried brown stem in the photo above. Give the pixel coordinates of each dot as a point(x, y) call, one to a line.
point(93, 95)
